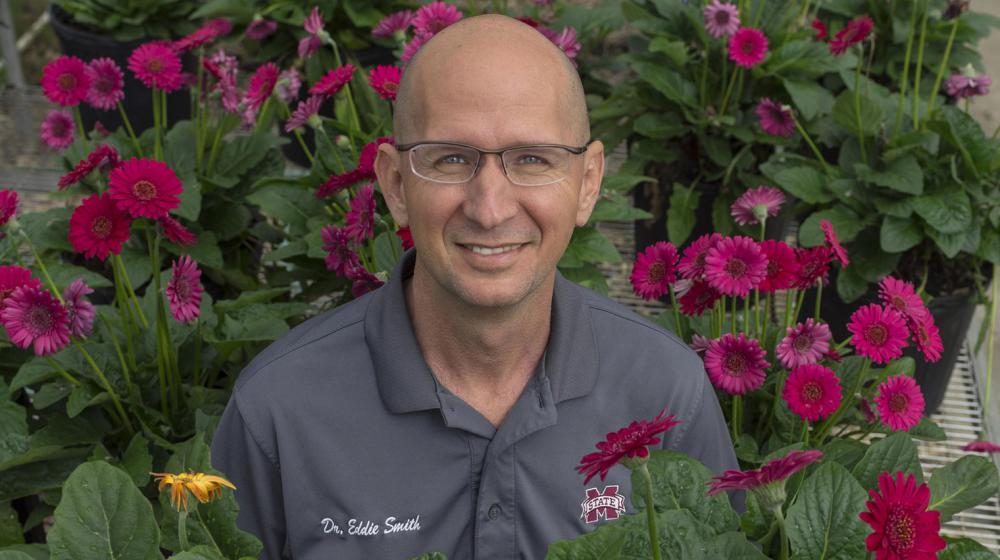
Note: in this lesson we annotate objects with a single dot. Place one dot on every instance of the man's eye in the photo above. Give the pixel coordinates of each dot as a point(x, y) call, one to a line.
point(530, 159)
point(452, 159)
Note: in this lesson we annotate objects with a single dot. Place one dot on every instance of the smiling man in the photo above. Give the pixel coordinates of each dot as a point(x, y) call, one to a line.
point(446, 411)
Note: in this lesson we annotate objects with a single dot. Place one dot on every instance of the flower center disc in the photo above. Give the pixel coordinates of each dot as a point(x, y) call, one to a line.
point(736, 365)
point(735, 268)
point(67, 81)
point(876, 334)
point(722, 17)
point(183, 290)
point(898, 402)
point(144, 190)
point(901, 530)
point(812, 392)
point(39, 319)
point(802, 343)
point(155, 65)
point(101, 228)
point(657, 271)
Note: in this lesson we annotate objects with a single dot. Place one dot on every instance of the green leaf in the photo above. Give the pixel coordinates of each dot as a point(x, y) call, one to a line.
point(671, 84)
point(14, 555)
point(290, 249)
point(388, 251)
point(928, 430)
point(249, 298)
point(679, 483)
point(966, 483)
point(137, 461)
point(899, 234)
point(658, 126)
point(896, 452)
point(63, 275)
point(604, 543)
point(226, 219)
point(84, 396)
point(805, 182)
point(616, 207)
point(34, 478)
point(675, 50)
point(240, 154)
point(823, 522)
point(103, 515)
point(623, 183)
point(965, 549)
point(810, 98)
point(588, 276)
point(947, 211)
point(178, 150)
point(14, 430)
point(292, 205)
point(48, 229)
point(589, 246)
point(681, 213)
point(903, 174)
point(190, 206)
point(866, 118)
point(949, 243)
point(199, 552)
point(845, 222)
point(800, 59)
point(33, 371)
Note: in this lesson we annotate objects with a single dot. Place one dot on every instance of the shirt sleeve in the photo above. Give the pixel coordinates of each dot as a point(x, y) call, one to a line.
point(257, 477)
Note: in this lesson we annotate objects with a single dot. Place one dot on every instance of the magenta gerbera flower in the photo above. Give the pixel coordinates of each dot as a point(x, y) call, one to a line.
point(98, 228)
point(782, 266)
point(393, 24)
point(627, 443)
point(313, 23)
point(830, 237)
point(756, 205)
point(902, 527)
point(748, 47)
point(13, 277)
point(65, 81)
point(340, 257)
point(879, 333)
point(289, 83)
point(962, 85)
point(305, 110)
point(805, 343)
point(8, 206)
point(432, 18)
point(692, 265)
point(107, 82)
point(145, 188)
point(366, 161)
point(184, 290)
point(814, 265)
point(34, 317)
point(208, 32)
point(261, 85)
point(385, 81)
point(900, 295)
point(411, 48)
point(360, 219)
point(812, 391)
point(103, 157)
point(857, 30)
point(981, 447)
point(926, 336)
point(654, 270)
point(900, 402)
point(260, 28)
point(699, 343)
point(565, 40)
point(58, 130)
point(157, 65)
point(776, 119)
point(405, 237)
point(721, 20)
point(308, 46)
point(333, 81)
point(736, 364)
point(820, 28)
point(735, 265)
point(79, 311)
point(362, 281)
point(768, 482)
point(698, 298)
point(176, 232)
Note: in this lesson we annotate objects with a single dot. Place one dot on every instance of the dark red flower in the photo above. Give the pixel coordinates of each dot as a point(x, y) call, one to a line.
point(627, 443)
point(814, 265)
point(857, 30)
point(773, 471)
point(699, 297)
point(176, 232)
point(406, 237)
point(104, 157)
point(821, 30)
point(903, 529)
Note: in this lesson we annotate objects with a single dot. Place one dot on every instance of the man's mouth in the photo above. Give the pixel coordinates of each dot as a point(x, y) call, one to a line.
point(486, 250)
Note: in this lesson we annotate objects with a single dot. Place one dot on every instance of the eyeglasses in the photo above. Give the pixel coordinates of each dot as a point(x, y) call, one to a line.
point(528, 166)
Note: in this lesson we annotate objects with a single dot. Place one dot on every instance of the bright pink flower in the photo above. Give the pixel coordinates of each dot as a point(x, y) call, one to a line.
point(773, 472)
point(692, 265)
point(8, 206)
point(857, 30)
point(98, 228)
point(337, 183)
point(308, 46)
point(432, 18)
point(393, 24)
point(385, 81)
point(65, 81)
point(721, 20)
point(830, 236)
point(362, 281)
point(360, 219)
point(313, 23)
point(900, 295)
point(366, 161)
point(961, 86)
point(405, 237)
point(982, 447)
point(145, 188)
point(900, 403)
point(812, 391)
point(34, 317)
point(699, 297)
point(879, 333)
point(776, 119)
point(926, 336)
point(820, 28)
point(156, 65)
point(627, 443)
point(565, 40)
point(736, 364)
point(58, 130)
point(805, 343)
point(184, 290)
point(13, 277)
point(303, 112)
point(107, 82)
point(208, 32)
point(261, 86)
point(756, 205)
point(902, 527)
point(289, 83)
point(333, 81)
point(654, 270)
point(340, 257)
point(782, 266)
point(735, 265)
point(79, 311)
point(700, 343)
point(103, 158)
point(411, 48)
point(814, 264)
point(260, 28)
point(176, 232)
point(748, 47)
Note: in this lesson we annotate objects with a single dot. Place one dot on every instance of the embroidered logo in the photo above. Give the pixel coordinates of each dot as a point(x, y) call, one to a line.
point(607, 503)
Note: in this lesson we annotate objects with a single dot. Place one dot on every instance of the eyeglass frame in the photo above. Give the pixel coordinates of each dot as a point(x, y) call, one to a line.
point(575, 150)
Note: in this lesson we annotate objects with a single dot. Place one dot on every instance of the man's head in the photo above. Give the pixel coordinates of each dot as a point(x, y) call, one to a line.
point(490, 82)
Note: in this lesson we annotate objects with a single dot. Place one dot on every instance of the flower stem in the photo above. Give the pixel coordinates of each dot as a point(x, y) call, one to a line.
point(62, 371)
point(844, 404)
point(942, 67)
point(79, 123)
point(857, 104)
point(736, 420)
point(729, 91)
point(782, 534)
point(654, 536)
point(819, 300)
point(131, 292)
point(906, 72)
point(805, 433)
point(298, 136)
point(41, 266)
point(990, 342)
point(677, 313)
point(215, 149)
point(158, 146)
point(107, 386)
point(161, 366)
point(920, 67)
point(128, 127)
point(182, 535)
point(812, 145)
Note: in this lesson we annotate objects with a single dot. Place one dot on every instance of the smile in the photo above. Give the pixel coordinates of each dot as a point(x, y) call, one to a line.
point(482, 250)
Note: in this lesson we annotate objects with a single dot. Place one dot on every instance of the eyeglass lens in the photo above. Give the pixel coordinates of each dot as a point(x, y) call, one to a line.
point(528, 166)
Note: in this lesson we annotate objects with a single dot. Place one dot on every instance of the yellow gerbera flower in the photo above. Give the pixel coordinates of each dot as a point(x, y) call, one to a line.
point(205, 487)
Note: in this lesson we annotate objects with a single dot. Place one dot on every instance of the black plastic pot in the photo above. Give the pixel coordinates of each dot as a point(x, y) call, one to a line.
point(88, 45)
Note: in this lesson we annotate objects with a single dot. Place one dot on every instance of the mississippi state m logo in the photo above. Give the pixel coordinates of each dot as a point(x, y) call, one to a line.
point(607, 503)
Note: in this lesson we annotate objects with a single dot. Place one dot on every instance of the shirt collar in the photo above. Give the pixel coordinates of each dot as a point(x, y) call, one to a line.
point(404, 379)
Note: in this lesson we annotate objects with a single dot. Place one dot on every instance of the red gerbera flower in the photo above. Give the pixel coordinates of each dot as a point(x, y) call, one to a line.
point(900, 403)
point(748, 47)
point(340, 257)
point(830, 236)
point(34, 317)
point(393, 24)
point(362, 281)
point(432, 18)
point(782, 266)
point(156, 65)
point(107, 83)
point(768, 482)
point(926, 336)
point(721, 20)
point(304, 111)
point(900, 295)
point(103, 157)
point(65, 81)
point(260, 28)
point(654, 270)
point(756, 205)
point(857, 30)
point(627, 443)
point(13, 277)
point(699, 297)
point(405, 237)
point(333, 81)
point(821, 30)
point(814, 265)
point(879, 333)
point(735, 265)
point(360, 219)
point(366, 161)
point(385, 81)
point(776, 119)
point(982, 447)
point(8, 206)
point(176, 232)
point(208, 32)
point(692, 265)
point(261, 85)
point(736, 364)
point(812, 391)
point(902, 527)
point(79, 311)
point(145, 188)
point(184, 290)
point(805, 343)
point(98, 228)
point(58, 130)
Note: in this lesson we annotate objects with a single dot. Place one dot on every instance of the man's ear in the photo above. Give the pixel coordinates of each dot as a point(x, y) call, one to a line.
point(590, 189)
point(390, 180)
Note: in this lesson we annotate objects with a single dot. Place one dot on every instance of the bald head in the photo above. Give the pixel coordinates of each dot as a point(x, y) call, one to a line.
point(485, 59)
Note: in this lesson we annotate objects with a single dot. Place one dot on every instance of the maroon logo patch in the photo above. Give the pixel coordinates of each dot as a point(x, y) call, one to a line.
point(607, 503)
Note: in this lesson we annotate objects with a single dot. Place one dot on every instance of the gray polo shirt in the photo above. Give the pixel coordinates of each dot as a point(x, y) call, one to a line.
point(343, 445)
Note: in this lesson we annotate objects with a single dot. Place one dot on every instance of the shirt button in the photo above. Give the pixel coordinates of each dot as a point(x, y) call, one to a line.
point(494, 512)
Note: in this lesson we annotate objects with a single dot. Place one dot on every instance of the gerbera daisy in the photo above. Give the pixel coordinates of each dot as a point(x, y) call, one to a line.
point(782, 266)
point(107, 82)
point(411, 48)
point(103, 157)
point(405, 237)
point(176, 232)
point(184, 290)
point(968, 84)
point(313, 24)
point(654, 270)
point(565, 40)
point(776, 119)
point(13, 277)
point(304, 112)
point(735, 265)
point(627, 443)
point(857, 30)
point(982, 447)
point(98, 228)
point(902, 527)
point(756, 205)
point(8, 205)
point(289, 83)
point(900, 403)
point(865, 406)
point(736, 364)
point(385, 81)
point(340, 257)
point(79, 311)
point(204, 487)
point(721, 20)
point(261, 85)
point(926, 336)
point(768, 482)
point(362, 281)
point(879, 333)
point(366, 161)
point(830, 237)
point(58, 130)
point(748, 47)
point(65, 81)
point(308, 46)
point(360, 219)
point(156, 65)
point(260, 28)
point(393, 25)
point(692, 265)
point(820, 28)
point(805, 343)
point(333, 81)
point(34, 317)
point(699, 343)
point(900, 295)
point(814, 265)
point(812, 391)
point(699, 297)
point(145, 188)
point(208, 32)
point(432, 18)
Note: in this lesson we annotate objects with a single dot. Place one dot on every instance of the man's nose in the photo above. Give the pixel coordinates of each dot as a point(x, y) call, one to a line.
point(491, 199)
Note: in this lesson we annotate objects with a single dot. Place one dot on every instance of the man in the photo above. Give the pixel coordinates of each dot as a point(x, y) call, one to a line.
point(446, 411)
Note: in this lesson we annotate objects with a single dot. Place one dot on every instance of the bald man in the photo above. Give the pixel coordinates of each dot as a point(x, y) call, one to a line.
point(446, 411)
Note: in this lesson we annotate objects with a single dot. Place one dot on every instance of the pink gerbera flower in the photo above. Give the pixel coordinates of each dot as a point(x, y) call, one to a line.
point(98, 228)
point(58, 130)
point(184, 290)
point(926, 336)
point(756, 205)
point(385, 81)
point(34, 317)
point(736, 364)
point(735, 265)
point(308, 46)
point(812, 391)
point(411, 48)
point(107, 82)
point(879, 333)
point(721, 20)
point(103, 158)
point(748, 47)
point(631, 442)
point(805, 343)
point(699, 297)
point(820, 28)
point(340, 257)
point(432, 18)
point(857, 30)
point(405, 237)
point(902, 527)
point(699, 343)
point(261, 85)
point(336, 183)
point(776, 119)
point(962, 86)
point(362, 281)
point(900, 403)
point(260, 28)
point(900, 295)
point(692, 265)
point(782, 266)
point(565, 40)
point(176, 232)
point(304, 112)
point(289, 83)
point(65, 81)
point(360, 219)
point(654, 270)
point(8, 206)
point(156, 65)
point(333, 81)
point(313, 23)
point(830, 236)
point(13, 277)
point(768, 482)
point(208, 32)
point(814, 264)
point(79, 311)
point(982, 447)
point(145, 188)
point(393, 25)
point(366, 161)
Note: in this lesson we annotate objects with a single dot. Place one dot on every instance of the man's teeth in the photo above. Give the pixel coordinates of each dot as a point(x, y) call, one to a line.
point(492, 250)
